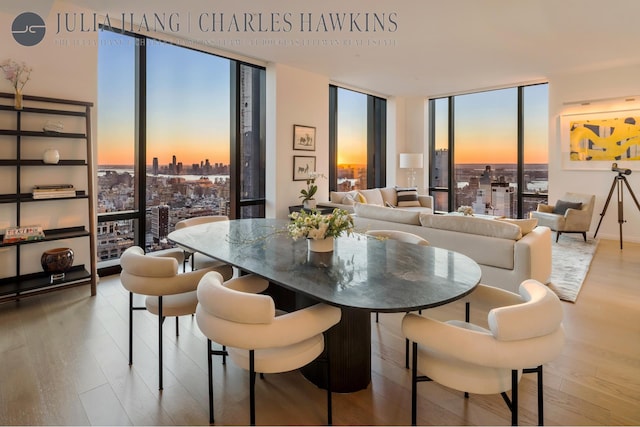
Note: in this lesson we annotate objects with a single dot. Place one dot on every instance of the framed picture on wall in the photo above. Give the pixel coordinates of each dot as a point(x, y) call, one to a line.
point(594, 141)
point(304, 138)
point(303, 166)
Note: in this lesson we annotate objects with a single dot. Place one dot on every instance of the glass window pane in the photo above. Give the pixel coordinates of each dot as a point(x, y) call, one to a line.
point(536, 147)
point(486, 145)
point(252, 153)
point(188, 130)
point(440, 163)
point(116, 141)
point(352, 140)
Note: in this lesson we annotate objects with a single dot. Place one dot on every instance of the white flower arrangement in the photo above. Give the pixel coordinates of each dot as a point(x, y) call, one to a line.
point(466, 210)
point(313, 225)
point(17, 74)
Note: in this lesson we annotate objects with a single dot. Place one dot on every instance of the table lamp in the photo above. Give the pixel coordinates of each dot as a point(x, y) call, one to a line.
point(411, 161)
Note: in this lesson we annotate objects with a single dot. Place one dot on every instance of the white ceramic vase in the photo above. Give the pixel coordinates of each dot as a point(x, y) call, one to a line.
point(51, 156)
point(320, 245)
point(309, 204)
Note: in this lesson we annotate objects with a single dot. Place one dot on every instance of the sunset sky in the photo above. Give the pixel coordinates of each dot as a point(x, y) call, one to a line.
point(188, 112)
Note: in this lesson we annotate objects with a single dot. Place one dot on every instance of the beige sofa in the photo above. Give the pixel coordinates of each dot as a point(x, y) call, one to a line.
point(387, 196)
point(508, 251)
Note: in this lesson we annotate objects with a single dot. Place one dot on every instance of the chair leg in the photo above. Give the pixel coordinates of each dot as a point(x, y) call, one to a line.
point(376, 317)
point(160, 322)
point(210, 370)
point(540, 398)
point(406, 353)
point(584, 235)
point(414, 385)
point(558, 233)
point(177, 329)
point(328, 363)
point(130, 328)
point(514, 397)
point(252, 388)
point(538, 371)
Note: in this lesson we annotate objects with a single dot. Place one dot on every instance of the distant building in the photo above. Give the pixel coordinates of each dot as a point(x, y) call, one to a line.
point(503, 199)
point(159, 222)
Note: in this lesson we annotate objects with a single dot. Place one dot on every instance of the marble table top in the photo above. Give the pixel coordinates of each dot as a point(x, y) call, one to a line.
point(362, 272)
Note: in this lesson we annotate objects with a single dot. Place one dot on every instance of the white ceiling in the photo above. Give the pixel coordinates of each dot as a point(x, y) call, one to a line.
point(440, 47)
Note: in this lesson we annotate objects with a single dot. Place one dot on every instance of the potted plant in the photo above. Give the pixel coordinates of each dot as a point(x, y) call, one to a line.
point(306, 194)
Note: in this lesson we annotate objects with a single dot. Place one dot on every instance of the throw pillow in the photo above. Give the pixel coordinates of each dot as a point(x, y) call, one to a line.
point(407, 197)
point(349, 199)
point(526, 225)
point(562, 205)
point(372, 196)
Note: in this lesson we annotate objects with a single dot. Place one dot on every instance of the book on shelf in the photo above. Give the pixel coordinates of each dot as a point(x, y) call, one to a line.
point(19, 234)
point(53, 191)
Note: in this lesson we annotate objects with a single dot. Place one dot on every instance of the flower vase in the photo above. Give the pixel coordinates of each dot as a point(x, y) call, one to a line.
point(17, 100)
point(320, 253)
point(309, 204)
point(320, 245)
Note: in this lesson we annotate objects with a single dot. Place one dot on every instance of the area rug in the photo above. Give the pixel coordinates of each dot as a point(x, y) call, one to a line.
point(571, 258)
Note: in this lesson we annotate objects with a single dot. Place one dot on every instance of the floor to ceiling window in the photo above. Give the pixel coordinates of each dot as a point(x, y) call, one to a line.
point(357, 129)
point(489, 151)
point(181, 134)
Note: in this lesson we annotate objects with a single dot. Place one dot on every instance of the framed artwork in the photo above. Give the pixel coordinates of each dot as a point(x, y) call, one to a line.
point(303, 166)
point(594, 141)
point(304, 138)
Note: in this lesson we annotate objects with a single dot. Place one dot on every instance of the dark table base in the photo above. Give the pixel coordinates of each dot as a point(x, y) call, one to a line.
point(348, 343)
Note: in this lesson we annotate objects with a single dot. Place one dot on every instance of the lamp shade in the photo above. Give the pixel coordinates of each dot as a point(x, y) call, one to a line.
point(411, 160)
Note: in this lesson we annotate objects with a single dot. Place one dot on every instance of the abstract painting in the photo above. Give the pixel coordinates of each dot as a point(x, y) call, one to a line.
point(596, 140)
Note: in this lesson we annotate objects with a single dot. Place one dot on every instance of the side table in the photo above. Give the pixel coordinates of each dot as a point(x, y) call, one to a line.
point(324, 210)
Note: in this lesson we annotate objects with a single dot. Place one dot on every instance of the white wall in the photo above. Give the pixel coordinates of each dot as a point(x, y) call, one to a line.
point(62, 68)
point(609, 84)
point(294, 97)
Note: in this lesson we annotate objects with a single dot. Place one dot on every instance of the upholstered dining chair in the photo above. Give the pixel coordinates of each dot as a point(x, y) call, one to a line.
point(255, 338)
point(401, 236)
point(572, 213)
point(521, 337)
point(203, 261)
point(167, 292)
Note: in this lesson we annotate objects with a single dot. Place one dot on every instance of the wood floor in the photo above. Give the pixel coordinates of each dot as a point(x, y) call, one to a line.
point(63, 361)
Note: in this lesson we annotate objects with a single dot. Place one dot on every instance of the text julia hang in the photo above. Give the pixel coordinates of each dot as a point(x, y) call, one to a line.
point(219, 22)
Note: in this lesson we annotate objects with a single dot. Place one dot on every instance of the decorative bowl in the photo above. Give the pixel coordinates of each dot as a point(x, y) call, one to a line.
point(57, 260)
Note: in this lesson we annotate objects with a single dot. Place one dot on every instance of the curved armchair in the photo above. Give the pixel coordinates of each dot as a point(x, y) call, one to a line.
point(571, 214)
point(255, 338)
point(521, 337)
point(168, 293)
point(203, 261)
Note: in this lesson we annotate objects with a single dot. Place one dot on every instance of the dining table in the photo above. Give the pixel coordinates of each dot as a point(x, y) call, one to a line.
point(362, 275)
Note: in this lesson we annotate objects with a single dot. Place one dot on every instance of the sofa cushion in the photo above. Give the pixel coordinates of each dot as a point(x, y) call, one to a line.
point(562, 205)
point(407, 197)
point(389, 196)
point(472, 225)
point(344, 197)
point(372, 196)
point(386, 214)
point(526, 225)
point(337, 196)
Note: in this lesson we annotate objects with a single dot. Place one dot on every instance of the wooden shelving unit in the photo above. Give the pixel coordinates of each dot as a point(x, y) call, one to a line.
point(29, 283)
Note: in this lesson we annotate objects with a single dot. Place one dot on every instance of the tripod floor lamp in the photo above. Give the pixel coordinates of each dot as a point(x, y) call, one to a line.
point(411, 161)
